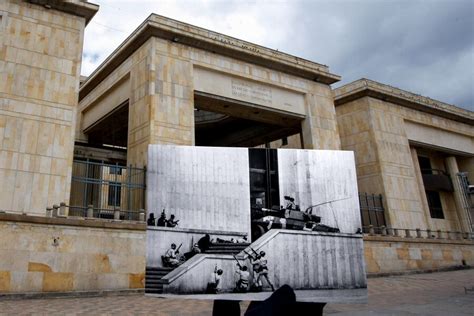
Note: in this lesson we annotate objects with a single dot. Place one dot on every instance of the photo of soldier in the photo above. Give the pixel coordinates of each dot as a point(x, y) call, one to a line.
point(151, 220)
point(162, 220)
point(194, 251)
point(242, 284)
point(171, 256)
point(264, 270)
point(203, 243)
point(260, 269)
point(215, 286)
point(171, 222)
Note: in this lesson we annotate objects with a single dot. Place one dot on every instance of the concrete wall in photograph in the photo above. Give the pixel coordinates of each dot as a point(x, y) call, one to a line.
point(204, 187)
point(159, 240)
point(315, 177)
point(301, 259)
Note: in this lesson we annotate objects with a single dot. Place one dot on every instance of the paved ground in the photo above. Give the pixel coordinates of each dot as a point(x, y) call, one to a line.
point(423, 294)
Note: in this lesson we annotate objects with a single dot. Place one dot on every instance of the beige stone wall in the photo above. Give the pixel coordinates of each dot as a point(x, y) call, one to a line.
point(376, 131)
point(87, 255)
point(392, 255)
point(40, 59)
point(162, 95)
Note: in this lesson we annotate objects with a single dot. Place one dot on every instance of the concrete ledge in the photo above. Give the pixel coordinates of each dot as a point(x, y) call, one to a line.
point(445, 269)
point(193, 36)
point(198, 231)
point(80, 8)
point(418, 240)
point(46, 295)
point(365, 87)
point(65, 221)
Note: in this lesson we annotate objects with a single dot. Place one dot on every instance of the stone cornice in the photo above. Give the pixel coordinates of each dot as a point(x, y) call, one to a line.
point(76, 7)
point(365, 87)
point(186, 34)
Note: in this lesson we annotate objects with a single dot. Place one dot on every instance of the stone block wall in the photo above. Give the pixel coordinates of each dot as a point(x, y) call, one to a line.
point(40, 254)
point(40, 59)
point(387, 162)
point(388, 255)
point(161, 97)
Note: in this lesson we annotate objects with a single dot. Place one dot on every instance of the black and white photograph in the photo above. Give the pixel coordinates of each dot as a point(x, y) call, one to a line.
point(239, 223)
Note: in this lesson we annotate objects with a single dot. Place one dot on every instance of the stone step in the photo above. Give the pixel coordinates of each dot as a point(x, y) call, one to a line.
point(154, 283)
point(154, 277)
point(157, 269)
point(229, 245)
point(222, 252)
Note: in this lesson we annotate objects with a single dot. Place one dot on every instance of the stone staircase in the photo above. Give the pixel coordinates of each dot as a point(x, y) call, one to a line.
point(153, 278)
point(226, 248)
point(154, 275)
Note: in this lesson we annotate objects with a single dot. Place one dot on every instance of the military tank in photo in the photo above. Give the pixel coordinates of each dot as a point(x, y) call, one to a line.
point(288, 217)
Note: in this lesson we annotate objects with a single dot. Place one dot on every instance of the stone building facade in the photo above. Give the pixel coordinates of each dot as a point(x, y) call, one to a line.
point(411, 150)
point(174, 83)
point(40, 63)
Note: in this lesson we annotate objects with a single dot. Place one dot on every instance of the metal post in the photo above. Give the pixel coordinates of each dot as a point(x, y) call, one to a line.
point(396, 232)
point(129, 193)
point(371, 230)
point(90, 211)
point(62, 209)
point(440, 234)
point(116, 213)
point(428, 232)
point(407, 233)
point(55, 210)
point(418, 233)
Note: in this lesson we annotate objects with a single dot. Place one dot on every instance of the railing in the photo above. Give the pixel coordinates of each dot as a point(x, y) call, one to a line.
point(106, 187)
point(371, 210)
point(417, 233)
point(63, 210)
point(467, 195)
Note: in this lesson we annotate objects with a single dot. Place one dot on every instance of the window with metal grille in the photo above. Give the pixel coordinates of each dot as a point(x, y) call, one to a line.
point(114, 194)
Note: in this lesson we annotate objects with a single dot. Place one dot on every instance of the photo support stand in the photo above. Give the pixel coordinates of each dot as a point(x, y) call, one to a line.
point(281, 302)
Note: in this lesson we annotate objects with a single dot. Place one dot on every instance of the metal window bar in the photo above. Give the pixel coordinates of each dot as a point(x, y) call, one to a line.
point(106, 187)
point(372, 211)
point(467, 198)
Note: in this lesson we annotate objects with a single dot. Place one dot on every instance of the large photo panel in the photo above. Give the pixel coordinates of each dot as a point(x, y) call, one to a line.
point(238, 223)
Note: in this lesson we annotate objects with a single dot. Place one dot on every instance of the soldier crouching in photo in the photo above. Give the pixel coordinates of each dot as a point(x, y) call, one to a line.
point(171, 258)
point(243, 282)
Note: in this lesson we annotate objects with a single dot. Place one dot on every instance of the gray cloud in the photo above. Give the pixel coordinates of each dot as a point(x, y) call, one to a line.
point(426, 47)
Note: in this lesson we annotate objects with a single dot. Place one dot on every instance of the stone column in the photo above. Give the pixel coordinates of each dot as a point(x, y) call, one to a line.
point(161, 109)
point(452, 168)
point(319, 128)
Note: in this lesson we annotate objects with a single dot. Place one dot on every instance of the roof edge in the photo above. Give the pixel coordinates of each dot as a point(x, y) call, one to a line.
point(190, 35)
point(366, 87)
point(82, 8)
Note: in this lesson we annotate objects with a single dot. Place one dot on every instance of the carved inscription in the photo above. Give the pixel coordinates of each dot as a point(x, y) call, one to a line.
point(243, 89)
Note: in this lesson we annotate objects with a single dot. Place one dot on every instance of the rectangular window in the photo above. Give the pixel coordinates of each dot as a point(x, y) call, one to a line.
point(425, 165)
point(114, 194)
point(434, 203)
point(115, 170)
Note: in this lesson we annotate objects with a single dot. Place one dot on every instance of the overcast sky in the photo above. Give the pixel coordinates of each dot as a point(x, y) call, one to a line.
point(426, 47)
